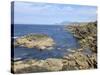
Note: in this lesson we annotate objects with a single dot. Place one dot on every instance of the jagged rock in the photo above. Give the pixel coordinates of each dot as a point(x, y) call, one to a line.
point(86, 34)
point(79, 60)
point(53, 64)
point(73, 61)
point(49, 64)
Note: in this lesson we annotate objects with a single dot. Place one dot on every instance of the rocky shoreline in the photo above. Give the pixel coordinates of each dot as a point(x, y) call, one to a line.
point(73, 61)
point(86, 34)
point(77, 60)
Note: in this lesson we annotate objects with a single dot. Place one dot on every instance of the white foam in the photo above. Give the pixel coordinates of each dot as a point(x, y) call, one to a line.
point(15, 37)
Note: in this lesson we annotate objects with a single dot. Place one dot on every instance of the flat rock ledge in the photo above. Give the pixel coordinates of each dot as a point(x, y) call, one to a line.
point(39, 41)
point(73, 61)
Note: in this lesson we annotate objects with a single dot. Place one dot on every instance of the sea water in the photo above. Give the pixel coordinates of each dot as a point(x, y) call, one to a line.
point(64, 41)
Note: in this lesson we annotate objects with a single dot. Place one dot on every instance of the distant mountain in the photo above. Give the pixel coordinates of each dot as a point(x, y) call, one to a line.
point(63, 23)
point(72, 23)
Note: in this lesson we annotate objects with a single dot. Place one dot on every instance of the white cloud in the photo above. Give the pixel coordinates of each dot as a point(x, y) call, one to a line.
point(44, 11)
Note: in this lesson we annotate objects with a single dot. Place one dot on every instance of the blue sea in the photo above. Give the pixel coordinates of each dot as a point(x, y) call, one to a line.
point(64, 41)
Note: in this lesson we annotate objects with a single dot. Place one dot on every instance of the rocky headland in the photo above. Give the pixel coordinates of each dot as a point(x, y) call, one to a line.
point(86, 35)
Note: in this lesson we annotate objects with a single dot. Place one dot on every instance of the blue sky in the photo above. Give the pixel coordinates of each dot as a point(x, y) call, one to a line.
point(47, 13)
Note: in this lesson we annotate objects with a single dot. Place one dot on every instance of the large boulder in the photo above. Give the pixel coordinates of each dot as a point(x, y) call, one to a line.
point(39, 41)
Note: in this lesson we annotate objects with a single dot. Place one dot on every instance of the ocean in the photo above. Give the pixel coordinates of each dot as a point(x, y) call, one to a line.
point(64, 41)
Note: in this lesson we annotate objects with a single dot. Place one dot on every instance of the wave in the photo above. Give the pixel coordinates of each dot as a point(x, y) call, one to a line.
point(14, 37)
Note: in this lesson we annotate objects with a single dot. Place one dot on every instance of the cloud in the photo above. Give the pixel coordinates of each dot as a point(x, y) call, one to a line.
point(26, 12)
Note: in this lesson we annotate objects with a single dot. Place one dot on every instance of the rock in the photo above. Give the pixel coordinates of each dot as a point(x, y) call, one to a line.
point(50, 64)
point(50, 48)
point(42, 47)
point(86, 35)
point(39, 41)
point(65, 57)
point(53, 64)
point(70, 50)
point(93, 59)
point(79, 60)
point(80, 50)
point(73, 61)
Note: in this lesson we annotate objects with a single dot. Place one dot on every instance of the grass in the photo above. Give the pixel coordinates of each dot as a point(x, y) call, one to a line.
point(35, 36)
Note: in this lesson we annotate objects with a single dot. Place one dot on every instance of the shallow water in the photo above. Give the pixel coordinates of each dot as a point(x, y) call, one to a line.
point(64, 40)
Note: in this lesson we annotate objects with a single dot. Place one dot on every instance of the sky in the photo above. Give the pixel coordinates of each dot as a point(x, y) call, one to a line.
point(49, 13)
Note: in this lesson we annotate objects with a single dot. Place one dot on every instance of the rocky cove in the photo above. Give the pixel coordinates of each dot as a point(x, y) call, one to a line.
point(77, 59)
point(46, 42)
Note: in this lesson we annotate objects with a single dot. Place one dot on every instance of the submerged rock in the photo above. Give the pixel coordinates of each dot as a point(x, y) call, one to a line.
point(39, 41)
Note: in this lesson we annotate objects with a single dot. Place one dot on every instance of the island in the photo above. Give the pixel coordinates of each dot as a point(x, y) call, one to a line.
point(33, 40)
